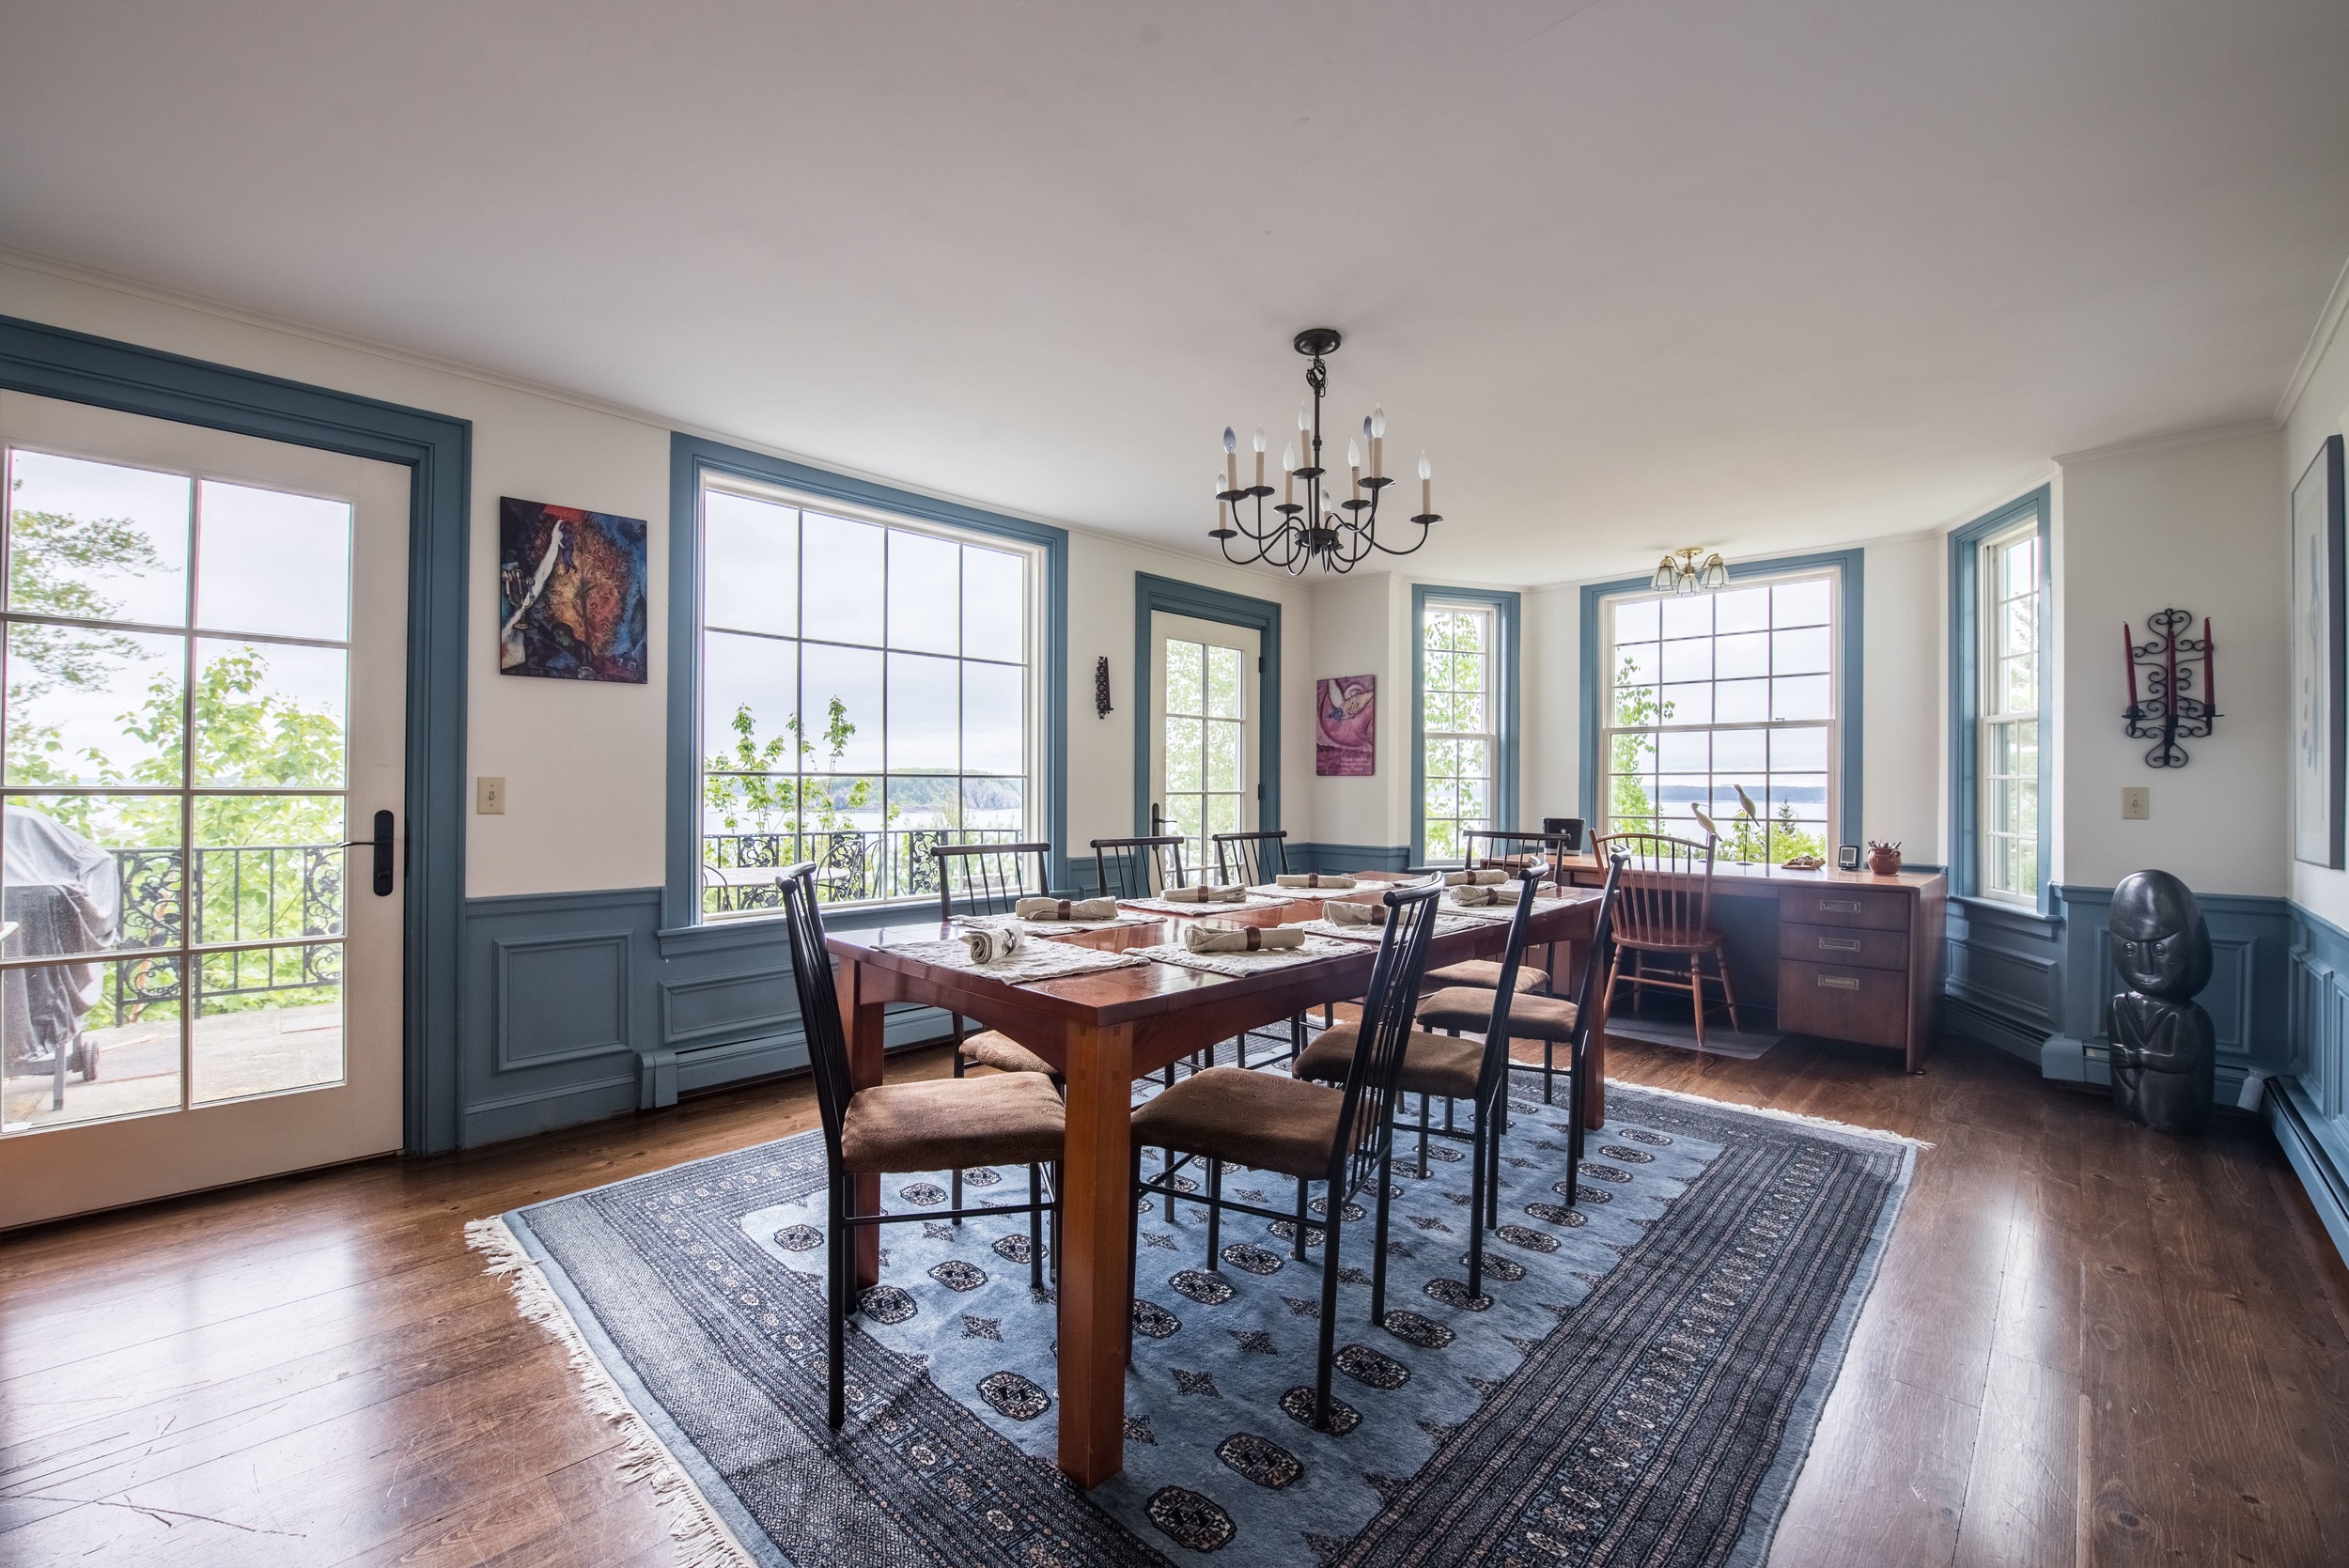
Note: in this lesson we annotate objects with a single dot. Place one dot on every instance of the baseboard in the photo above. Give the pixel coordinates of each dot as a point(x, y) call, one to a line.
point(2316, 1155)
point(1969, 1020)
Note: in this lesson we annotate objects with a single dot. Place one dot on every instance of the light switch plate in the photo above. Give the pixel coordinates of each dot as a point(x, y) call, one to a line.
point(489, 796)
point(2137, 803)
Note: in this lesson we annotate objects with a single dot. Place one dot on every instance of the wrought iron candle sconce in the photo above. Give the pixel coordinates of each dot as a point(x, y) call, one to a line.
point(1101, 686)
point(2170, 710)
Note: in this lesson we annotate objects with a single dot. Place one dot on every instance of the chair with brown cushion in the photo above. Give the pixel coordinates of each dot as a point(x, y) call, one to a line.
point(989, 880)
point(1495, 849)
point(1666, 912)
point(1343, 1138)
point(1552, 1021)
point(891, 1128)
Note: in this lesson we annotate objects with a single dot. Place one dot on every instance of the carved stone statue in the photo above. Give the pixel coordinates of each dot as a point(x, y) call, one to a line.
point(2164, 1053)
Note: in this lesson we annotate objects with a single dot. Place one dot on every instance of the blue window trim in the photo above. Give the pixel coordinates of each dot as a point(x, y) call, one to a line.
point(1261, 615)
point(690, 459)
point(1505, 604)
point(1851, 606)
point(51, 361)
point(1966, 698)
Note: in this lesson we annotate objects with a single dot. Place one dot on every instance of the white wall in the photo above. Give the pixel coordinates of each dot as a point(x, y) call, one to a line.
point(584, 761)
point(1102, 570)
point(2198, 524)
point(1900, 753)
point(2322, 410)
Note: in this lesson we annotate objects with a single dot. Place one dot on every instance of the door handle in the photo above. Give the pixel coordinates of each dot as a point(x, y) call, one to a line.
point(382, 843)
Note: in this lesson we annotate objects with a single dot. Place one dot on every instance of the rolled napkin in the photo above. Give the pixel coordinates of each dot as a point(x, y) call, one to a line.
point(1313, 879)
point(1066, 908)
point(1212, 937)
point(992, 944)
point(1474, 879)
point(1344, 911)
point(1474, 894)
point(1231, 894)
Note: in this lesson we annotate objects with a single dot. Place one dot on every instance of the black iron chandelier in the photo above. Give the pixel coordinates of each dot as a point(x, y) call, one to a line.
point(1340, 535)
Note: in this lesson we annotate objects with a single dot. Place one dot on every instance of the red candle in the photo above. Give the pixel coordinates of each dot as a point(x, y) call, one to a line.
point(2128, 656)
point(2210, 670)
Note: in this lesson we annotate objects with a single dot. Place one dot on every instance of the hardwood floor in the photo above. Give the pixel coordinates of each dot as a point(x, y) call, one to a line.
point(2089, 1343)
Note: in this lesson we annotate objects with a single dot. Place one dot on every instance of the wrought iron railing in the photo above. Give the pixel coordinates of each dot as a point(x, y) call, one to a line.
point(247, 893)
point(852, 866)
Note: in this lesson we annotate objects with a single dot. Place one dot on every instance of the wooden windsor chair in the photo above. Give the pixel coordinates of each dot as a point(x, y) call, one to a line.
point(1138, 868)
point(1663, 911)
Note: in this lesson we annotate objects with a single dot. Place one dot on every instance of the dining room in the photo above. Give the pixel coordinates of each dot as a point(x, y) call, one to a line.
point(673, 898)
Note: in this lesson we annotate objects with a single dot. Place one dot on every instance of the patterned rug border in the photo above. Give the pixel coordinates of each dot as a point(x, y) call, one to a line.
point(712, 1529)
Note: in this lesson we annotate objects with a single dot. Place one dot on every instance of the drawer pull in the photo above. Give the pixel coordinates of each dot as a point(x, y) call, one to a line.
point(1840, 982)
point(1840, 945)
point(1840, 906)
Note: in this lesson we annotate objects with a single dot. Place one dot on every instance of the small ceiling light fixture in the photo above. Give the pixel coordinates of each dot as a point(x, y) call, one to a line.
point(1342, 535)
point(1681, 573)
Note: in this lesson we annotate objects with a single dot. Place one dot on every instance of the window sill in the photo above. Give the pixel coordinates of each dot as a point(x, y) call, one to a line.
point(1995, 910)
point(756, 931)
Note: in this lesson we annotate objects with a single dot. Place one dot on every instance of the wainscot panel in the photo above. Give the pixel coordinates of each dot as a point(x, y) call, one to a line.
point(1312, 856)
point(2005, 984)
point(578, 1005)
point(2310, 1108)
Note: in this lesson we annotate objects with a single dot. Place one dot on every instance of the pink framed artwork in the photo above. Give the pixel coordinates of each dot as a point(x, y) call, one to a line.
point(1346, 738)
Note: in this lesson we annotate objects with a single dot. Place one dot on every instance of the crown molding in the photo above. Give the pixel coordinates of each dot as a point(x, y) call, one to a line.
point(2327, 326)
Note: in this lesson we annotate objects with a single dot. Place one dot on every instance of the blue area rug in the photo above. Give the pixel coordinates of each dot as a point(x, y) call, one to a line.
point(1637, 1384)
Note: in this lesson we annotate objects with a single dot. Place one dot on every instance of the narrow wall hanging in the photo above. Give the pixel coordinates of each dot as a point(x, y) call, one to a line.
point(1101, 686)
point(2171, 711)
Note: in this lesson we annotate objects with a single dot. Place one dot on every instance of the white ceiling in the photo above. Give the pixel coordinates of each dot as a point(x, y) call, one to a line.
point(1635, 272)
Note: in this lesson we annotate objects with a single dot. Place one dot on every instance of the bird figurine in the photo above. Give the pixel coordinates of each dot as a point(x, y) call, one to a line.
point(1703, 821)
point(1746, 801)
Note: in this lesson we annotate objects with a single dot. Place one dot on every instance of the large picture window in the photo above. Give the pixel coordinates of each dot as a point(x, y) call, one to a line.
point(868, 692)
point(1706, 695)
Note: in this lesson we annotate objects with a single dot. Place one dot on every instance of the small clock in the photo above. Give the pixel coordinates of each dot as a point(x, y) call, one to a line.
point(1848, 857)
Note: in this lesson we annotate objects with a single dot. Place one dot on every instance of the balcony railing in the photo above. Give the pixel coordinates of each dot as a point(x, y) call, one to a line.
point(852, 866)
point(241, 893)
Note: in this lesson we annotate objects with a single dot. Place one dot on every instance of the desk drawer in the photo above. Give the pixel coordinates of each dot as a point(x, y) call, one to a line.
point(1867, 1006)
point(1855, 946)
point(1865, 906)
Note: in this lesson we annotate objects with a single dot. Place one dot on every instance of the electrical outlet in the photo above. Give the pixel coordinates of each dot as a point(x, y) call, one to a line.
point(489, 796)
point(2137, 803)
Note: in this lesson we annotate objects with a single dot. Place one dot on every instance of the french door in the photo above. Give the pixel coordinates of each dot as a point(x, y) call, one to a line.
point(1204, 763)
point(204, 672)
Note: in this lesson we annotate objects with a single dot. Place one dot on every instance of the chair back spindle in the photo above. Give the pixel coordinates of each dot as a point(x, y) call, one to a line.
point(1251, 859)
point(1366, 1118)
point(1507, 850)
point(1495, 1068)
point(990, 879)
point(1669, 904)
point(819, 1003)
point(1139, 867)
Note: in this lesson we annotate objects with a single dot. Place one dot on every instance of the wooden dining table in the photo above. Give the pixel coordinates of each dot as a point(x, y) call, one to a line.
point(1101, 1031)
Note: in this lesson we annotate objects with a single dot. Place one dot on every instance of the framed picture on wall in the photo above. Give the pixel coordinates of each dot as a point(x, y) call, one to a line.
point(2319, 762)
point(1346, 739)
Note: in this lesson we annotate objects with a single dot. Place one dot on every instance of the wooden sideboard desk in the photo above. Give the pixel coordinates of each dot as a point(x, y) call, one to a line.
point(1842, 955)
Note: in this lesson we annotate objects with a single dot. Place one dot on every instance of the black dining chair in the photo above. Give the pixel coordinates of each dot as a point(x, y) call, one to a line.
point(1343, 1138)
point(1250, 859)
point(1139, 867)
point(890, 1128)
point(989, 880)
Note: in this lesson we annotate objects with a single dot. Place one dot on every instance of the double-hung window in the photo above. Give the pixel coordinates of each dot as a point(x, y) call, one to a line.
point(1725, 702)
point(1460, 738)
point(2007, 687)
point(869, 691)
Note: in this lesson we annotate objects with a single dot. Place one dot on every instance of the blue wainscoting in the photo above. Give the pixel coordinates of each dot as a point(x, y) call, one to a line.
point(1311, 855)
point(2310, 1108)
point(2035, 986)
point(578, 1005)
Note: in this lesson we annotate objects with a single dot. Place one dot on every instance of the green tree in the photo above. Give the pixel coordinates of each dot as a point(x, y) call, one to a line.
point(1638, 710)
point(762, 787)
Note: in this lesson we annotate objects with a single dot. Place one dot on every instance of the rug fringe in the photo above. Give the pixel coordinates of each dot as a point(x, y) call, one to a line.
point(702, 1538)
point(1776, 1114)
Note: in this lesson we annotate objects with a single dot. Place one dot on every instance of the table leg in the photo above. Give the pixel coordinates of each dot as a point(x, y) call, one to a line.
point(861, 1022)
point(1097, 1239)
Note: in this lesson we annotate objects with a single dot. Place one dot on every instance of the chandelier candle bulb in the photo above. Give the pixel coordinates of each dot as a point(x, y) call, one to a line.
point(1259, 455)
point(1377, 440)
point(1427, 487)
point(1231, 459)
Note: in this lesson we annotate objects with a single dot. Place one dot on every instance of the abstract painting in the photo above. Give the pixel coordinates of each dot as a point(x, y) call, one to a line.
point(572, 591)
point(2319, 760)
point(1345, 742)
